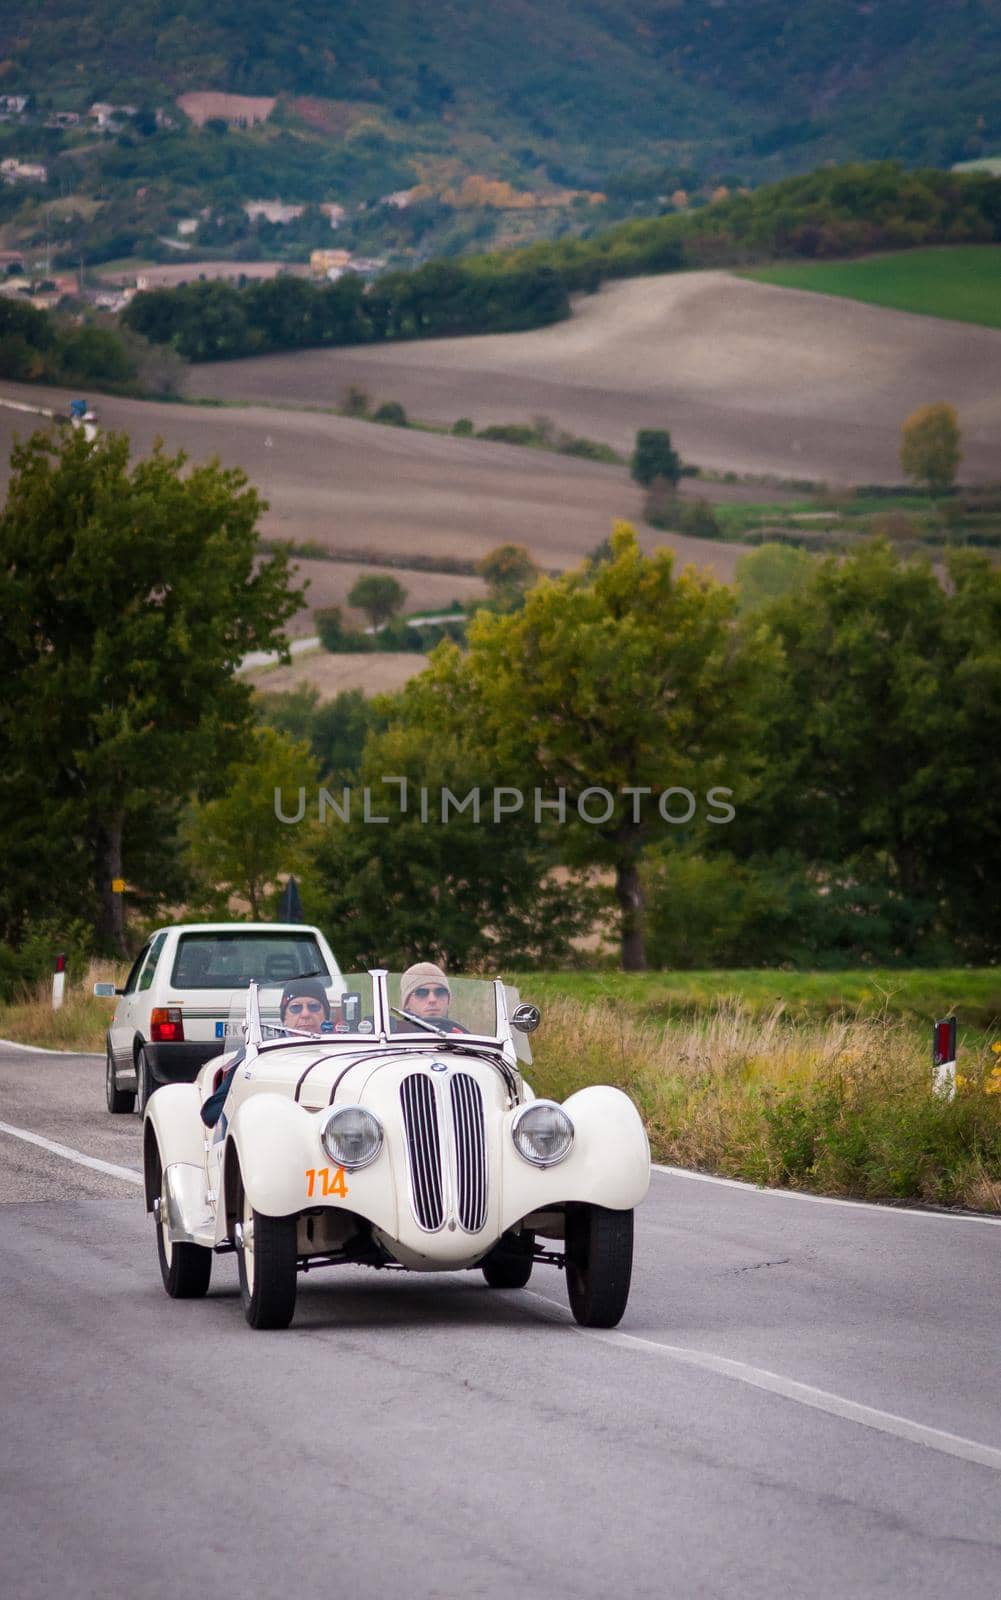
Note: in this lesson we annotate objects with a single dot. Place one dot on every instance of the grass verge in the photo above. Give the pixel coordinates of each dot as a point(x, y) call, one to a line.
point(839, 1107)
point(80, 1023)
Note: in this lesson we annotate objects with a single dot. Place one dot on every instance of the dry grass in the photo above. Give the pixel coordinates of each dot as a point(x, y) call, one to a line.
point(80, 1023)
point(842, 1106)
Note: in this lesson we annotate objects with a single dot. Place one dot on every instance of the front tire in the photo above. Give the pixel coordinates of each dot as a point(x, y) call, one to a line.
point(599, 1264)
point(118, 1100)
point(184, 1268)
point(509, 1264)
point(267, 1252)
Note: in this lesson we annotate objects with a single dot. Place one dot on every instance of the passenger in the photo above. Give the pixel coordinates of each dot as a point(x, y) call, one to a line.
point(425, 993)
point(304, 1007)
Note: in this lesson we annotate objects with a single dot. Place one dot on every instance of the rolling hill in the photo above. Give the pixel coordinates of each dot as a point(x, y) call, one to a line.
point(567, 92)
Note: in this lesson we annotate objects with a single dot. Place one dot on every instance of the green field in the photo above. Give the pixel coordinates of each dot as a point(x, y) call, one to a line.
point(922, 996)
point(962, 282)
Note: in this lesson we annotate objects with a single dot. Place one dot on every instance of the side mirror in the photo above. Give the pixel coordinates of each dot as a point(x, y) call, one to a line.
point(526, 1018)
point(106, 991)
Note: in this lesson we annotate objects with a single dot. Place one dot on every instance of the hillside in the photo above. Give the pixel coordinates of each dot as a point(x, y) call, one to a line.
point(501, 114)
point(747, 377)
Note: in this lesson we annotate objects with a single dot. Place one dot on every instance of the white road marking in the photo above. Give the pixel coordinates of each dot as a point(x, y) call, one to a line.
point(72, 1155)
point(43, 1050)
point(949, 1444)
point(826, 1199)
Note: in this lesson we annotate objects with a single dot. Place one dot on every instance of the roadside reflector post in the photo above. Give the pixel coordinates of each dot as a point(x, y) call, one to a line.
point(944, 1059)
point(58, 982)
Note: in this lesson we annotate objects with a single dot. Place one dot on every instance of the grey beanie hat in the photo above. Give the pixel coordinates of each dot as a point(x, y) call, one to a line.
point(420, 972)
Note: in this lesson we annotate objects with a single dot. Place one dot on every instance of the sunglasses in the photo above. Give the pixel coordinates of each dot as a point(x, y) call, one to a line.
point(295, 1008)
point(425, 990)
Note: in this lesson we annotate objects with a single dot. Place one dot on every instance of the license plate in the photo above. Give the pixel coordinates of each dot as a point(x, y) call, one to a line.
point(229, 1030)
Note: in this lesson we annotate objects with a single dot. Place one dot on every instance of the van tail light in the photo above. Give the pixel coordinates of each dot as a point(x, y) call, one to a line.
point(166, 1025)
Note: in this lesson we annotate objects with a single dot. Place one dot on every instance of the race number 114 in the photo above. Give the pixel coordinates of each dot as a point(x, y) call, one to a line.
point(321, 1181)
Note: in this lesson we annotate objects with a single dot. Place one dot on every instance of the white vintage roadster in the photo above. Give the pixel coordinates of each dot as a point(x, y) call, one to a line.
point(391, 1141)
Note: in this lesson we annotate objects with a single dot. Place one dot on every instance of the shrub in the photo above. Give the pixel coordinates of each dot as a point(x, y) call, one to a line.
point(393, 414)
point(335, 637)
point(357, 401)
point(699, 519)
point(589, 450)
point(463, 428)
point(509, 433)
point(661, 506)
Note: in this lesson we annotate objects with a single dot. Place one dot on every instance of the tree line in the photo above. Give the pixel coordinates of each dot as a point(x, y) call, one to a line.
point(840, 211)
point(213, 321)
point(801, 768)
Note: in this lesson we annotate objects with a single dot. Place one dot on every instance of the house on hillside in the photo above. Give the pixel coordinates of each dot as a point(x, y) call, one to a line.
point(13, 171)
point(272, 211)
point(329, 263)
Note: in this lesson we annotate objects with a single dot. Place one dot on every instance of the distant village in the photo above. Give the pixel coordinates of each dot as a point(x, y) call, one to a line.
point(28, 274)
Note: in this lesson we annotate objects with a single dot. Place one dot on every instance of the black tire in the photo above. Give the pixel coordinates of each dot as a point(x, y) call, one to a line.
point(144, 1082)
point(599, 1261)
point(118, 1100)
point(185, 1268)
point(268, 1257)
point(509, 1264)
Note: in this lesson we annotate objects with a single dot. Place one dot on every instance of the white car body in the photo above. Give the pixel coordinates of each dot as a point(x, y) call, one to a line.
point(191, 972)
point(448, 1186)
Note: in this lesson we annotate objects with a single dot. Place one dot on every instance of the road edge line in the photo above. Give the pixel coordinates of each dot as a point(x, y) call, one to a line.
point(825, 1199)
point(63, 1150)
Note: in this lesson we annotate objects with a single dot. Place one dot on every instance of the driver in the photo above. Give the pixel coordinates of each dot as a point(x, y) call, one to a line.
point(304, 1007)
point(425, 993)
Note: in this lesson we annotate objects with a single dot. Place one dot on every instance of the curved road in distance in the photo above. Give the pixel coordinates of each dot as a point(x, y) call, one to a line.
point(801, 1401)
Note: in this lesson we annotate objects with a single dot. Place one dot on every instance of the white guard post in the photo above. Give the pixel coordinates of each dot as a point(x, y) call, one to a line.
point(944, 1059)
point(58, 982)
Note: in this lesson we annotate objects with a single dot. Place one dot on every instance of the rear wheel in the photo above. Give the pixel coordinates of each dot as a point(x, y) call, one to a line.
point(509, 1264)
point(117, 1099)
point(184, 1268)
point(268, 1256)
point(599, 1263)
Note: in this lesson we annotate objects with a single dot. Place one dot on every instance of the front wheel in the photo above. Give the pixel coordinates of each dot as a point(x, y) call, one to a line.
point(184, 1268)
point(599, 1263)
point(509, 1264)
point(117, 1099)
point(267, 1251)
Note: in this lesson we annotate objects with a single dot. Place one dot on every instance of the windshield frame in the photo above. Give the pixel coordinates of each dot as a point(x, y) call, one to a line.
point(422, 1035)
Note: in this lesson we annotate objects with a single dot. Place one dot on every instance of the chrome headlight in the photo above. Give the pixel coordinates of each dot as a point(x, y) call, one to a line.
point(351, 1136)
point(542, 1133)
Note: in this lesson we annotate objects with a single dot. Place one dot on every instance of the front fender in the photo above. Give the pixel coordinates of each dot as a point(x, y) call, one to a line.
point(609, 1164)
point(277, 1145)
point(173, 1131)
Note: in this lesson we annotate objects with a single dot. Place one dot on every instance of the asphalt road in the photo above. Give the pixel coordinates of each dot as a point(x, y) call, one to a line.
point(801, 1401)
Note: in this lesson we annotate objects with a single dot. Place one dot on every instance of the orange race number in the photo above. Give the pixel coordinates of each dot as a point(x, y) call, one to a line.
point(320, 1180)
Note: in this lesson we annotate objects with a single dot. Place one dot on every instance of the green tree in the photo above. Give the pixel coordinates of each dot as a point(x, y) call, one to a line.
point(238, 843)
point(621, 680)
point(881, 735)
point(379, 596)
point(508, 571)
point(770, 571)
point(654, 457)
point(458, 888)
point(129, 596)
point(930, 450)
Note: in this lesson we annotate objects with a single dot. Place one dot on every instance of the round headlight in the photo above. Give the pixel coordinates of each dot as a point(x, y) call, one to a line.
point(352, 1137)
point(542, 1133)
